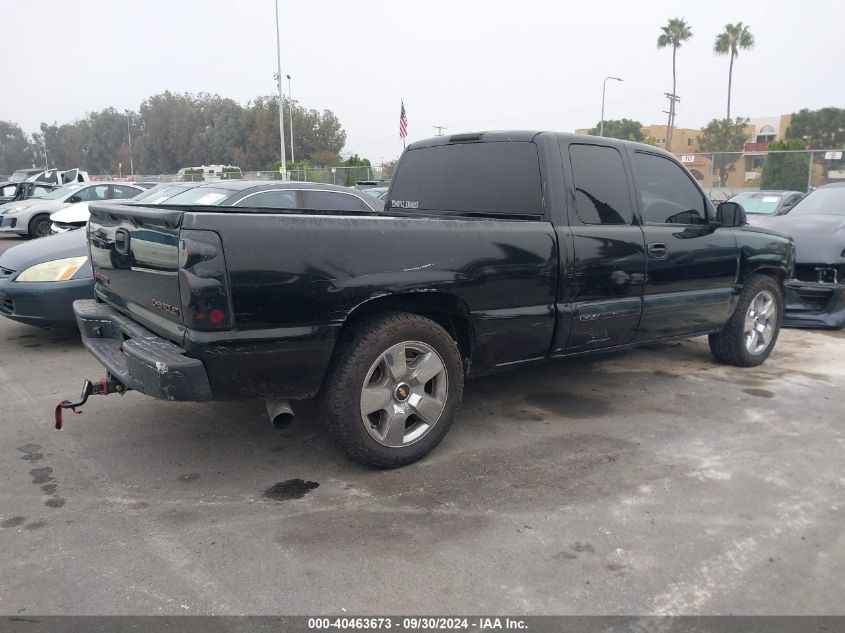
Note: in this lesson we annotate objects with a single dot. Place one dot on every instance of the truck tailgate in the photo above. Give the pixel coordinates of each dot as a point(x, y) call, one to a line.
point(135, 260)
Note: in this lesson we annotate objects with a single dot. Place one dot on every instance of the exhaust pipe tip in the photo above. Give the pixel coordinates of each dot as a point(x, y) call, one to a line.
point(280, 413)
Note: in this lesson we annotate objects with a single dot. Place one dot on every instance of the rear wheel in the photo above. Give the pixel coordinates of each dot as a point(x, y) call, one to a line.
point(393, 389)
point(750, 335)
point(39, 226)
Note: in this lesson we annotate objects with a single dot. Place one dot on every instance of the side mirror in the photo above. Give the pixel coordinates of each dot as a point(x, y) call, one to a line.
point(730, 214)
point(74, 199)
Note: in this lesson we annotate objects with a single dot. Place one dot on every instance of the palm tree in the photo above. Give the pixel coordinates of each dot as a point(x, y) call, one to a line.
point(674, 34)
point(728, 42)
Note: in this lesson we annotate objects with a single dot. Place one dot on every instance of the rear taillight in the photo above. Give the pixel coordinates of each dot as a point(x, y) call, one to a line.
point(203, 283)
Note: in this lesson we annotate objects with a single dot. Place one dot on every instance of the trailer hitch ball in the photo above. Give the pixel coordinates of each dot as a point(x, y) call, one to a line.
point(98, 388)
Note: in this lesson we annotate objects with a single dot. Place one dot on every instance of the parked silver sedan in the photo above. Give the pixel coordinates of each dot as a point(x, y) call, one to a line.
point(31, 218)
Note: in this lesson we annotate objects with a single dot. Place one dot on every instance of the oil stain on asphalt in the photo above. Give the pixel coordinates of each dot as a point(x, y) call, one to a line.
point(41, 475)
point(290, 489)
point(760, 393)
point(13, 522)
point(30, 452)
point(569, 405)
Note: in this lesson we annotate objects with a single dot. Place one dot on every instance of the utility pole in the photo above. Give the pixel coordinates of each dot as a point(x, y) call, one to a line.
point(673, 99)
point(129, 132)
point(283, 169)
point(439, 129)
point(290, 116)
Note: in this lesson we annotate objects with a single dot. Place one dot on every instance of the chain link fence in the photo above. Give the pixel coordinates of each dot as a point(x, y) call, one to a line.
point(346, 176)
point(724, 174)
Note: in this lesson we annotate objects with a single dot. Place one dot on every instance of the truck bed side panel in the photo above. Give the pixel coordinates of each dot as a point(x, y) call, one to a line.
point(294, 270)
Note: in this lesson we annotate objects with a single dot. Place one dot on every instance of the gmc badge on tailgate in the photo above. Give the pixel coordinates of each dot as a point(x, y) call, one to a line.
point(165, 307)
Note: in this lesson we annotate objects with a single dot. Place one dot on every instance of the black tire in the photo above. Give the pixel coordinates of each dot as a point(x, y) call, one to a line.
point(39, 226)
point(729, 345)
point(360, 350)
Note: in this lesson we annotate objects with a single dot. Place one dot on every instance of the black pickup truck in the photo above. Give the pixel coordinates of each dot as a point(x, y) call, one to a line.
point(494, 250)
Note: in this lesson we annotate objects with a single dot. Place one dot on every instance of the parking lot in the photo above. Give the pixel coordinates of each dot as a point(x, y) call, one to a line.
point(654, 481)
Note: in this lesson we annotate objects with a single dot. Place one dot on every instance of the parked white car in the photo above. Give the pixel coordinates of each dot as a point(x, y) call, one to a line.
point(73, 217)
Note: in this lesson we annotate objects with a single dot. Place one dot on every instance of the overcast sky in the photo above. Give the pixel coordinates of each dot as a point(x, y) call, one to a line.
point(464, 65)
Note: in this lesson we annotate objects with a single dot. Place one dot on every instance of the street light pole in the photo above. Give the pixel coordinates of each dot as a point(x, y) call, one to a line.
point(290, 117)
point(129, 132)
point(603, 88)
point(283, 169)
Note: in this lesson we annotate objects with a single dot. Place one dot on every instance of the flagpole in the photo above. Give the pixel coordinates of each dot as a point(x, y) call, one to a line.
point(402, 130)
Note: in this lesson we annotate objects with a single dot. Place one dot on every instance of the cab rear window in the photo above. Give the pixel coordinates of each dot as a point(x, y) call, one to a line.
point(501, 178)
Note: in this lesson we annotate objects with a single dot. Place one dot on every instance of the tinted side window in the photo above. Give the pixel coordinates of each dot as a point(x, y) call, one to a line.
point(495, 177)
point(91, 194)
point(269, 200)
point(601, 186)
point(122, 192)
point(667, 195)
point(332, 201)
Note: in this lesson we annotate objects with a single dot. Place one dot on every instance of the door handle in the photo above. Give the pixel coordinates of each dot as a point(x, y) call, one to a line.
point(657, 249)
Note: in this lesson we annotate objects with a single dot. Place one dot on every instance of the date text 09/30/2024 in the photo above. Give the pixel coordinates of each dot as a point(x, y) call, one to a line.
point(417, 623)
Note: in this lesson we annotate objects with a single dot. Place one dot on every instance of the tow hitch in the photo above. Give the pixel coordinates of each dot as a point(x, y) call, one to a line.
point(100, 388)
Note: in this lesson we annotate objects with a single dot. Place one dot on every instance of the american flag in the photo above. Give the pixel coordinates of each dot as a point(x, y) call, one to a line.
point(403, 123)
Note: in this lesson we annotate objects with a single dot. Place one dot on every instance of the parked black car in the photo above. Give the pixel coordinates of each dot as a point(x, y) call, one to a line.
point(495, 250)
point(277, 195)
point(816, 296)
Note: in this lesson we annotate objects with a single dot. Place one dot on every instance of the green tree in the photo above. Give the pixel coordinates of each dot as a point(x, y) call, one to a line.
point(625, 129)
point(785, 171)
point(193, 174)
point(675, 33)
point(389, 168)
point(16, 152)
point(173, 130)
point(359, 170)
point(317, 133)
point(821, 129)
point(318, 137)
point(724, 135)
point(729, 42)
point(326, 159)
point(97, 143)
point(299, 170)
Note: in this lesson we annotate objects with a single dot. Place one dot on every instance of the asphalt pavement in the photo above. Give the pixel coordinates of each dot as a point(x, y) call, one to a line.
point(648, 482)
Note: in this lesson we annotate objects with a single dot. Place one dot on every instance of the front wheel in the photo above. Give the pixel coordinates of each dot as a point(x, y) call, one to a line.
point(40, 226)
point(393, 389)
point(750, 335)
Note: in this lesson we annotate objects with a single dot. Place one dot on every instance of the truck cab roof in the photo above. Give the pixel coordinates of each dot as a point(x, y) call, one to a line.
point(527, 136)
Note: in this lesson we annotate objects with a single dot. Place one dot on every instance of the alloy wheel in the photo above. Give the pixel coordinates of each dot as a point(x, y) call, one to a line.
point(404, 394)
point(760, 321)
